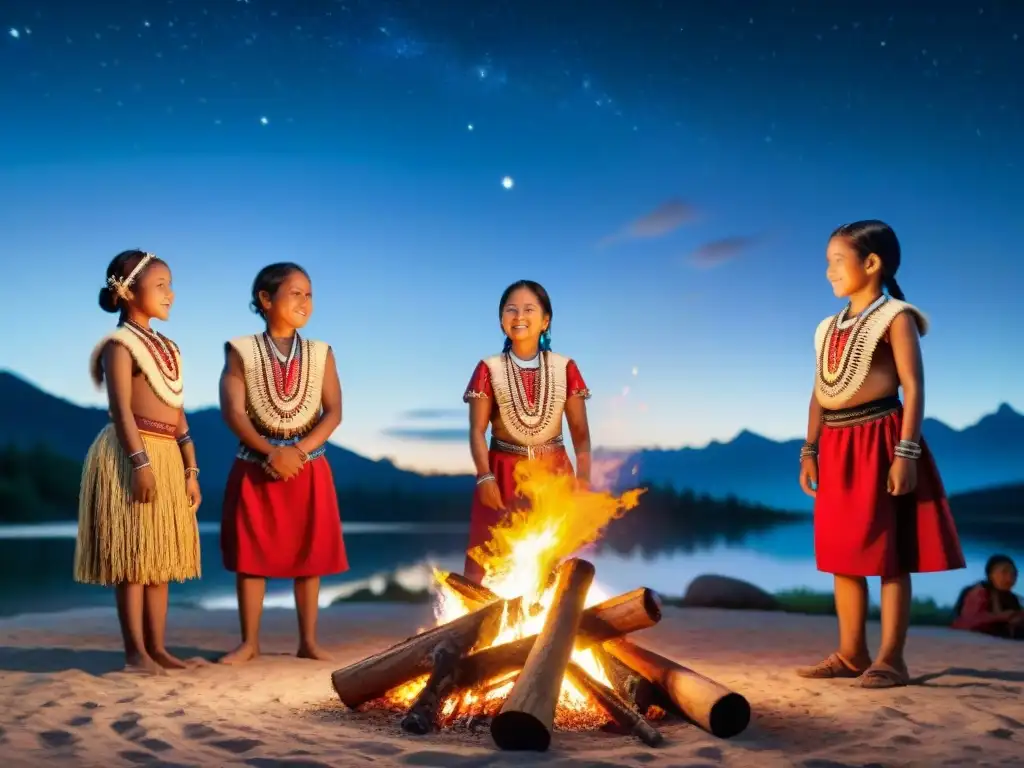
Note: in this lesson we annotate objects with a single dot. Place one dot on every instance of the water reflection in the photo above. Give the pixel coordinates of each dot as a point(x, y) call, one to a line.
point(36, 563)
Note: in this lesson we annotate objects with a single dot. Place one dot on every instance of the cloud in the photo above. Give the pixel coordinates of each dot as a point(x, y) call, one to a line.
point(663, 220)
point(432, 414)
point(428, 434)
point(718, 252)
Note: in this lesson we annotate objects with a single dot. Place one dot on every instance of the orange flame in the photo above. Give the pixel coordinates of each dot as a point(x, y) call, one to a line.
point(553, 519)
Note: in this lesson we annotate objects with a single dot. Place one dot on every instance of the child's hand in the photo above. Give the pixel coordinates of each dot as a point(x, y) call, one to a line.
point(490, 494)
point(195, 498)
point(143, 485)
point(809, 475)
point(286, 461)
point(902, 477)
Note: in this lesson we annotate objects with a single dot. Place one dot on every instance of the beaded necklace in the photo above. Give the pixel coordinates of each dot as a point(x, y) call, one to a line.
point(530, 419)
point(285, 371)
point(161, 350)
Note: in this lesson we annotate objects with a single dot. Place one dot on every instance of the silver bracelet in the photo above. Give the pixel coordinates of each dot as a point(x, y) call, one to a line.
point(484, 478)
point(808, 450)
point(907, 449)
point(137, 467)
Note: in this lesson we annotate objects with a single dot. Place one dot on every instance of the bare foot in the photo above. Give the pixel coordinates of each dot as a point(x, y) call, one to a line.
point(313, 651)
point(243, 653)
point(143, 664)
point(167, 660)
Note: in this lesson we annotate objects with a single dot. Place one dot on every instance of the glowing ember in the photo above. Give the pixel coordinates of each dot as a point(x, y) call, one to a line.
point(556, 519)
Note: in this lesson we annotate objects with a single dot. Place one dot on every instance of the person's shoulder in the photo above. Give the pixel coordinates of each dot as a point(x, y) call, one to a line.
point(897, 307)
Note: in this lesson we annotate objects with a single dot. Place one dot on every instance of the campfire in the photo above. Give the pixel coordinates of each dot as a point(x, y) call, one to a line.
point(537, 645)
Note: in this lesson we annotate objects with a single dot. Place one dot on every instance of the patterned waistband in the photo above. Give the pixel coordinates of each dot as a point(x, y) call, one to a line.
point(245, 453)
point(861, 414)
point(558, 444)
point(155, 428)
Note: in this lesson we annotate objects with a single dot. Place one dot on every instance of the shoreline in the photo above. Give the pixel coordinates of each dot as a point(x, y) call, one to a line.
point(411, 587)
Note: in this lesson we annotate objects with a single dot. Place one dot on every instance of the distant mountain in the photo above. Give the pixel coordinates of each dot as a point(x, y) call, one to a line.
point(749, 467)
point(754, 468)
point(35, 417)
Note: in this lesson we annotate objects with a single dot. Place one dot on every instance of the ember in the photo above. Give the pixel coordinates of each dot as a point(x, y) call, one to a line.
point(537, 646)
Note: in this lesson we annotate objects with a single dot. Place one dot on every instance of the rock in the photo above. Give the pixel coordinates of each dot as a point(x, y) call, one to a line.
point(711, 591)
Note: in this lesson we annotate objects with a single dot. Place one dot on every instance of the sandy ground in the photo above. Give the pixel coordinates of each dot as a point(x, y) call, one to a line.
point(64, 700)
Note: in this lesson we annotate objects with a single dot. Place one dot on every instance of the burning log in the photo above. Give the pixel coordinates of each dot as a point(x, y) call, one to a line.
point(620, 710)
point(375, 675)
point(611, 619)
point(422, 714)
point(526, 718)
point(712, 706)
point(635, 690)
point(616, 617)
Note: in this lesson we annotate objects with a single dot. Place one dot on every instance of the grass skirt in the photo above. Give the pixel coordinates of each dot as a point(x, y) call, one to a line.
point(120, 541)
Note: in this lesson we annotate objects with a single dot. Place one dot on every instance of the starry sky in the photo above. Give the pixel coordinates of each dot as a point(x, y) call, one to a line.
point(673, 172)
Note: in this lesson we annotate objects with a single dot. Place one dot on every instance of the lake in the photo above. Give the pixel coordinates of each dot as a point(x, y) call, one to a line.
point(36, 565)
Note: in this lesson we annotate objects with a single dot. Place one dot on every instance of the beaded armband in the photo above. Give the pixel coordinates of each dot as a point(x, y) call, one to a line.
point(139, 460)
point(184, 440)
point(484, 478)
point(907, 449)
point(192, 471)
point(808, 450)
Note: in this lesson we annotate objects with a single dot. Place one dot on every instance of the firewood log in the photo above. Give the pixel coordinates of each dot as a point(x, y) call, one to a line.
point(624, 716)
point(528, 714)
point(375, 675)
point(422, 714)
point(710, 705)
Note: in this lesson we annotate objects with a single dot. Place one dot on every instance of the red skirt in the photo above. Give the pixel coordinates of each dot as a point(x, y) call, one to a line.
point(283, 529)
point(860, 529)
point(482, 519)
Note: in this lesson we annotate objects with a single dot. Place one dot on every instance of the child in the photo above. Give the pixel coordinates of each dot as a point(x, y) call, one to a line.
point(137, 508)
point(281, 396)
point(521, 395)
point(880, 508)
point(990, 606)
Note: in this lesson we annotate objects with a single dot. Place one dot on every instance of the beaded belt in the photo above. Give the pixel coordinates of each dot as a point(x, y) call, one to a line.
point(155, 428)
point(861, 414)
point(528, 450)
point(245, 453)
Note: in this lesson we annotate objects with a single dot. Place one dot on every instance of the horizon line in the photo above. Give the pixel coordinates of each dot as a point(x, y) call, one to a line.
point(1005, 404)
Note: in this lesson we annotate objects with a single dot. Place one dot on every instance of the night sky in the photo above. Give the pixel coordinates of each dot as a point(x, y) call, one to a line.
point(676, 169)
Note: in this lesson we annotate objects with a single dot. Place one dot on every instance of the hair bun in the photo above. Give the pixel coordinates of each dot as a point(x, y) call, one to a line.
point(107, 302)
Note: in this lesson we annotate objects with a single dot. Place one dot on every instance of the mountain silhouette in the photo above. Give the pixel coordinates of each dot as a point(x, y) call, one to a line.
point(37, 417)
point(748, 467)
point(751, 467)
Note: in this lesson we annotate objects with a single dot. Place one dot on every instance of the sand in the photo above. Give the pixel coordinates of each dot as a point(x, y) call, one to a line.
point(63, 700)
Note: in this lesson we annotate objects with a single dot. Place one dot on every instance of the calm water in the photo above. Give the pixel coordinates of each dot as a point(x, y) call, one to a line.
point(36, 563)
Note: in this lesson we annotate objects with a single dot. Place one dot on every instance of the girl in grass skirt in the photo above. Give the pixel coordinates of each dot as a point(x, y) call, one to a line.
point(137, 526)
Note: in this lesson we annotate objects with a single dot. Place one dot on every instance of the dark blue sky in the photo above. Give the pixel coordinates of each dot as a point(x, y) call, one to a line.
point(677, 168)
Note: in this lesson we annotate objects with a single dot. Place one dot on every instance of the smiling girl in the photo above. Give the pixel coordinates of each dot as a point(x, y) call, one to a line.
point(521, 395)
point(137, 526)
point(879, 505)
point(280, 394)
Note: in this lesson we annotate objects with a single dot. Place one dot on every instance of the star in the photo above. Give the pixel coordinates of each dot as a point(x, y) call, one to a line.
point(264, 121)
point(507, 182)
point(14, 33)
point(469, 127)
